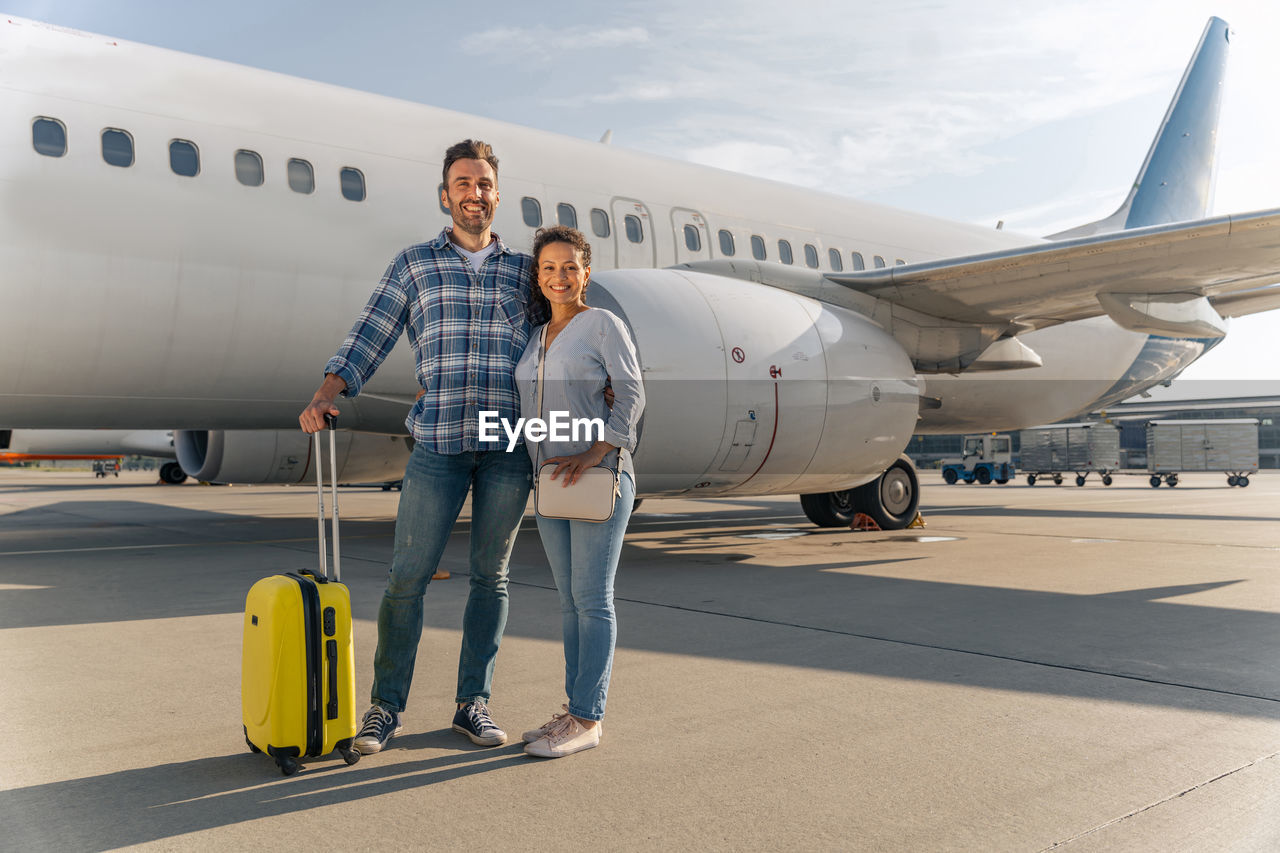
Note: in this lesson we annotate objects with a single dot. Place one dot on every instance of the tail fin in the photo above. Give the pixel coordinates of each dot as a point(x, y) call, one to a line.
point(1175, 183)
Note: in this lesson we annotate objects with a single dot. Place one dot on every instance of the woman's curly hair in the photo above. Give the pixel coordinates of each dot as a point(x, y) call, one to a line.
point(539, 307)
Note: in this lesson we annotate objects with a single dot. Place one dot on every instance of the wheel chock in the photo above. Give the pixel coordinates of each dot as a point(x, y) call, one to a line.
point(917, 522)
point(862, 521)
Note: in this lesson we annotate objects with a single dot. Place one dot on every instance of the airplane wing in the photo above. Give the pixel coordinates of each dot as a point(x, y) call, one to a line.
point(1159, 279)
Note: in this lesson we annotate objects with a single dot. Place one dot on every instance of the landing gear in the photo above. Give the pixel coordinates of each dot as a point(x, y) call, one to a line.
point(891, 499)
point(172, 473)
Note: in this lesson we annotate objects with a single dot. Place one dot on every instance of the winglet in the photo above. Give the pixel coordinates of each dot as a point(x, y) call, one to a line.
point(1175, 183)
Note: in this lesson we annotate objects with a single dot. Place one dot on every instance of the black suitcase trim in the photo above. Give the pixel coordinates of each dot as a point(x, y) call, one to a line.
point(315, 687)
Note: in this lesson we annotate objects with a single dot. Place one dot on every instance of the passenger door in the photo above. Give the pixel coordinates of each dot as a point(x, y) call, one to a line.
point(634, 240)
point(690, 235)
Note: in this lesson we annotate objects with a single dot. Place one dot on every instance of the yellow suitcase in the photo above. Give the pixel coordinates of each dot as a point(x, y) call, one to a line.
point(297, 681)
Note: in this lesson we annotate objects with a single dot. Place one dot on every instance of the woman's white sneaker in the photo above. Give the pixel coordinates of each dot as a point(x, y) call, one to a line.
point(566, 736)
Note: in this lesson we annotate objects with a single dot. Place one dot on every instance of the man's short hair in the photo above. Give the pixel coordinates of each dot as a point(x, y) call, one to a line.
point(468, 149)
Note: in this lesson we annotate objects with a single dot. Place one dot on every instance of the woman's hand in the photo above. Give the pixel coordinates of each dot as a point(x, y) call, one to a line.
point(573, 466)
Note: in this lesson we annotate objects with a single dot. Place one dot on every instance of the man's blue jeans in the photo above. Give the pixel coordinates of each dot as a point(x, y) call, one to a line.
point(584, 559)
point(434, 489)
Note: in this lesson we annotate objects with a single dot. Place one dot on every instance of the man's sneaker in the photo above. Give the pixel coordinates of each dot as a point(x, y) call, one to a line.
point(378, 727)
point(473, 720)
point(542, 731)
point(565, 738)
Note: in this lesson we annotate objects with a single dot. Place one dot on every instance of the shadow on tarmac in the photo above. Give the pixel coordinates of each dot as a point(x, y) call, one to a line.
point(131, 807)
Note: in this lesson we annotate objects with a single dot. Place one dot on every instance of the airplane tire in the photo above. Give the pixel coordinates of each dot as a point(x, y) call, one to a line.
point(829, 509)
point(892, 498)
point(172, 473)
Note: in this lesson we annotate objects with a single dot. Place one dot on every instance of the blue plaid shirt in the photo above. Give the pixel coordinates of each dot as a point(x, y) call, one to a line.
point(467, 331)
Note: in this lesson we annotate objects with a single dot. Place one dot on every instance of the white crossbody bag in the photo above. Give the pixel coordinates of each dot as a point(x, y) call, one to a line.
point(592, 498)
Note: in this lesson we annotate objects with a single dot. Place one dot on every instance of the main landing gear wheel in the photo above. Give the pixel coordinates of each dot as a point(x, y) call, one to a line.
point(891, 499)
point(172, 473)
point(829, 509)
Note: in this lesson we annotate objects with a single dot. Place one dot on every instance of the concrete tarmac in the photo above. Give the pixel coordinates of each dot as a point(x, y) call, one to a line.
point(1039, 668)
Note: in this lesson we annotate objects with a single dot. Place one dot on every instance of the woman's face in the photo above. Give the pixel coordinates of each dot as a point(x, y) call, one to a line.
point(562, 277)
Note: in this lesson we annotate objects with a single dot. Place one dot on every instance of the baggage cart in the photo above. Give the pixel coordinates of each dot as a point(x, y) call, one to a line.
point(1229, 445)
point(1079, 448)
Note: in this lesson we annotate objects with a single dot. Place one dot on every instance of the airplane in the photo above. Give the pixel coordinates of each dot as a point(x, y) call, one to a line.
point(23, 445)
point(231, 222)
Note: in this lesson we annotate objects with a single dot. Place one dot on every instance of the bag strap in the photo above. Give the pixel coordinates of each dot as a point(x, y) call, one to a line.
point(542, 357)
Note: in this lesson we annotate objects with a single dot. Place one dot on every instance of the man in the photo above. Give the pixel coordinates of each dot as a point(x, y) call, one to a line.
point(462, 297)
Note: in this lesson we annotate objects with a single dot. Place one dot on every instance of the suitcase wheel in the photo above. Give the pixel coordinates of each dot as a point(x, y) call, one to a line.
point(350, 756)
point(288, 766)
point(252, 748)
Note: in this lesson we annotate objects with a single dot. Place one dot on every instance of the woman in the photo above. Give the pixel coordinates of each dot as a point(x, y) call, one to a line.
point(585, 350)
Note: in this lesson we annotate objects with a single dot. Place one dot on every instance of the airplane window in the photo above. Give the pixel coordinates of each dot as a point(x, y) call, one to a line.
point(249, 168)
point(352, 183)
point(692, 239)
point(599, 222)
point(117, 147)
point(879, 262)
point(635, 230)
point(858, 262)
point(567, 215)
point(301, 177)
point(532, 211)
point(900, 262)
point(726, 244)
point(757, 247)
point(784, 251)
point(49, 137)
point(810, 256)
point(837, 263)
point(184, 158)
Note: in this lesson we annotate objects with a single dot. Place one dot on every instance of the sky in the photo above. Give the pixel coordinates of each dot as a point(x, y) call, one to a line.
point(1034, 114)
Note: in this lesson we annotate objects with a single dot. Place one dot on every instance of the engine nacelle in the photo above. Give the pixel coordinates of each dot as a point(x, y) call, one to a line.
point(755, 390)
point(285, 456)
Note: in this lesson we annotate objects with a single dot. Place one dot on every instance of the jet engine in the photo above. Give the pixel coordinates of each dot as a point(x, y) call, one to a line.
point(285, 456)
point(753, 390)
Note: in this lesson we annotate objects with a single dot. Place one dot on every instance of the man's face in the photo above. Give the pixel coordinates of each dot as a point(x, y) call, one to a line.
point(471, 195)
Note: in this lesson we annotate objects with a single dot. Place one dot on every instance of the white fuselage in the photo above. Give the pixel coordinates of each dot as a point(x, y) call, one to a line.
point(136, 297)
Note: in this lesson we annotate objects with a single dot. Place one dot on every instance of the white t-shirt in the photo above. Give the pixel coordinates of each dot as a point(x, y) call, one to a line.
point(476, 258)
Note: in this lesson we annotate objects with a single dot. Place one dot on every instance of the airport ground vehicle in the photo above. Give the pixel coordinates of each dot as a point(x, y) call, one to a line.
point(1229, 445)
point(985, 459)
point(1080, 448)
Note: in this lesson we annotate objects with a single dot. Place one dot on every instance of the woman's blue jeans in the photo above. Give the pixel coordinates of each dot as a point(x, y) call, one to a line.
point(584, 560)
point(434, 489)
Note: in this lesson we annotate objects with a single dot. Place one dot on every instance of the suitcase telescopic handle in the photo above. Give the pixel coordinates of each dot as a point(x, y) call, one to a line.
point(331, 421)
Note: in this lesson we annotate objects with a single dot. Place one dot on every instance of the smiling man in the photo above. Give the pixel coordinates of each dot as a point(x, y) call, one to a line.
point(462, 297)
